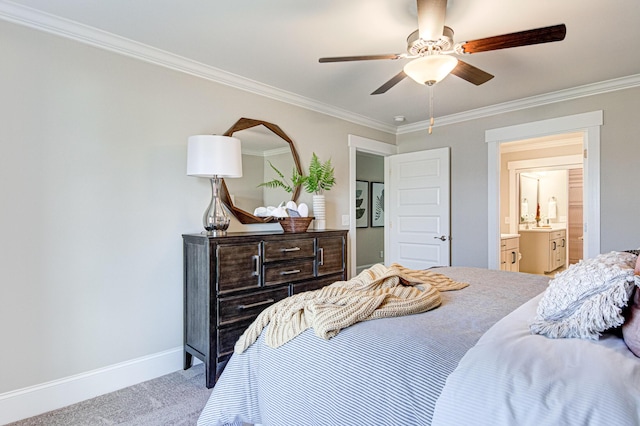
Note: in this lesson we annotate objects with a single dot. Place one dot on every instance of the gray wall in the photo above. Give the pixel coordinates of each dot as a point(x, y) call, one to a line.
point(620, 173)
point(95, 198)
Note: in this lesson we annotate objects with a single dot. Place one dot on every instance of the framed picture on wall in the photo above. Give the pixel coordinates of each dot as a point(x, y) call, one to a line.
point(377, 204)
point(362, 204)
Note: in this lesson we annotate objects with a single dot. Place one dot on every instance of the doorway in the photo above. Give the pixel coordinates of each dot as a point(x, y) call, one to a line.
point(589, 124)
point(370, 235)
point(425, 168)
point(536, 201)
point(359, 144)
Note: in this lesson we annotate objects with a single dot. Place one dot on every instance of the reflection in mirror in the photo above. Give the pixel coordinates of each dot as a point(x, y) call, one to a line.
point(260, 148)
point(262, 143)
point(542, 190)
point(528, 197)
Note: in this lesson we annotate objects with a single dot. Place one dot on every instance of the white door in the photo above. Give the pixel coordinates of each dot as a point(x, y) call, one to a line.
point(419, 209)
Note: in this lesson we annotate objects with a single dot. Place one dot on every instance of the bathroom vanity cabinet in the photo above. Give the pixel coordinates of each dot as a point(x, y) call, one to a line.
point(510, 252)
point(543, 250)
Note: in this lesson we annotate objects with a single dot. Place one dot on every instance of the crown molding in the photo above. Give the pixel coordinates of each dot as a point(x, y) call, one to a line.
point(56, 25)
point(38, 20)
point(524, 103)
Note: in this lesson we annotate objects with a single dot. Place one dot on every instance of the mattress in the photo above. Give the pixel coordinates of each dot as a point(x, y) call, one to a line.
point(381, 372)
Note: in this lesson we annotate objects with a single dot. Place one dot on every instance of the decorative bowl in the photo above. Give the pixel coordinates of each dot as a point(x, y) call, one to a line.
point(295, 224)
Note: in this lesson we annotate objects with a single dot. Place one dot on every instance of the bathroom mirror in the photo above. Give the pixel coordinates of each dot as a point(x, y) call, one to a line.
point(543, 188)
point(262, 143)
point(529, 188)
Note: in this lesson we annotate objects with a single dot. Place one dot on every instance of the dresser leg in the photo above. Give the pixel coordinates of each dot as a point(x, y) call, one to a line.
point(188, 360)
point(210, 375)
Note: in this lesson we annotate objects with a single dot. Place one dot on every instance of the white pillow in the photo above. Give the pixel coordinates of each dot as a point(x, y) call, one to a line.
point(587, 298)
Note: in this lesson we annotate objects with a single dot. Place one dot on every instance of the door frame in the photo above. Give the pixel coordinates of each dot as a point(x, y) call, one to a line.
point(589, 123)
point(371, 146)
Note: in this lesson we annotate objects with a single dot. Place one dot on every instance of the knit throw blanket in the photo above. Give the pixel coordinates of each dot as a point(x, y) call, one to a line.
point(377, 292)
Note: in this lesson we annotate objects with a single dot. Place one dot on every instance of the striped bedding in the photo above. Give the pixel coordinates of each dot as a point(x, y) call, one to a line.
point(382, 372)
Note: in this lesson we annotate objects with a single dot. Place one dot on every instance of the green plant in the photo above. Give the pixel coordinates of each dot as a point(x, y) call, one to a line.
point(321, 176)
point(296, 179)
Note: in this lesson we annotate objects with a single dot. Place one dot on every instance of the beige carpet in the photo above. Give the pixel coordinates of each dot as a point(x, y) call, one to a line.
point(174, 399)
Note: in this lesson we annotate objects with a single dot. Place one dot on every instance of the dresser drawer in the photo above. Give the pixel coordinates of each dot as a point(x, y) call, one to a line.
point(315, 284)
point(288, 249)
point(228, 337)
point(509, 243)
point(331, 255)
point(243, 308)
point(557, 234)
point(237, 266)
point(279, 273)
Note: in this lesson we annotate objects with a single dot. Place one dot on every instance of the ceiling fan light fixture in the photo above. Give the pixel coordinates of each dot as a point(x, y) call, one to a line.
point(430, 69)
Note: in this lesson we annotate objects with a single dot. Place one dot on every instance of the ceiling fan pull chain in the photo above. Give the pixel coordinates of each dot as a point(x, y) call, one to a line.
point(431, 108)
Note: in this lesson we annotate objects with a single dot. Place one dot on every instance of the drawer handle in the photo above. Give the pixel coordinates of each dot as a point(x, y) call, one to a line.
point(321, 261)
point(254, 305)
point(256, 267)
point(293, 271)
point(290, 249)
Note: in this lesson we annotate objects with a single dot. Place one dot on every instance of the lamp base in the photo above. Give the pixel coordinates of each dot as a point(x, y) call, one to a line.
point(215, 219)
point(215, 233)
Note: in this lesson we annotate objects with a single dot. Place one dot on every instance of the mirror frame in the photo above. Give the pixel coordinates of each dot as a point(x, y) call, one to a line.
point(246, 123)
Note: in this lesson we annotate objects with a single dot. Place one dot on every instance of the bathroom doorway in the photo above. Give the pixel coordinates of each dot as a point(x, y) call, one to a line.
point(589, 124)
point(541, 200)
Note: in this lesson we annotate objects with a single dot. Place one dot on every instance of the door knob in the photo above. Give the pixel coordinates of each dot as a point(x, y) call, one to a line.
point(442, 237)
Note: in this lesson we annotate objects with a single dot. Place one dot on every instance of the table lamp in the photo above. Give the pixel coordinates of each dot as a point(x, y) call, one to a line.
point(214, 157)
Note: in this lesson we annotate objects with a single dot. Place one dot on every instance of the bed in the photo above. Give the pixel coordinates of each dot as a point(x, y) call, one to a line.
point(394, 371)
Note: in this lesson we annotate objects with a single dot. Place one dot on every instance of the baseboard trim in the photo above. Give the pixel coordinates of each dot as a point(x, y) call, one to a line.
point(38, 399)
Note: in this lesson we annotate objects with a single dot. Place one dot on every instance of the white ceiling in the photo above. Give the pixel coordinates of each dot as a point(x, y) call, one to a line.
point(278, 43)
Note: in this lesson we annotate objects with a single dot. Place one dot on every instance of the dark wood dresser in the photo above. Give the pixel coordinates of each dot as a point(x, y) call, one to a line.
point(229, 280)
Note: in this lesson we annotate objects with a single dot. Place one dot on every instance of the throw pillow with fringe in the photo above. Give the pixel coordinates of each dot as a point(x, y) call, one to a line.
point(587, 298)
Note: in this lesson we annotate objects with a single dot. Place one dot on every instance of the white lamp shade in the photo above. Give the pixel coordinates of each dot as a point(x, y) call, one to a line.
point(430, 69)
point(214, 155)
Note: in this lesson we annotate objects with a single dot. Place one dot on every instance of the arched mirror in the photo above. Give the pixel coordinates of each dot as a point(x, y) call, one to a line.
point(262, 143)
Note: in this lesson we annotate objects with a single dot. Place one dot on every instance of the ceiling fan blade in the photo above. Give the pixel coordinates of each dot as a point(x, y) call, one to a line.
point(522, 38)
point(431, 15)
point(361, 58)
point(389, 84)
point(470, 73)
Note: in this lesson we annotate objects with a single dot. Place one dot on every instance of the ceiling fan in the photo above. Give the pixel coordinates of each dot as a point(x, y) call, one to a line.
point(432, 48)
